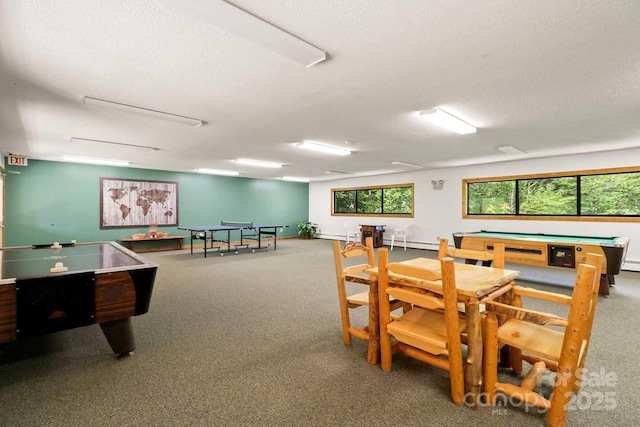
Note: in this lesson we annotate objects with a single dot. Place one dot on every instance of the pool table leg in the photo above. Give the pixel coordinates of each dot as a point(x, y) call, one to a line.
point(604, 285)
point(119, 334)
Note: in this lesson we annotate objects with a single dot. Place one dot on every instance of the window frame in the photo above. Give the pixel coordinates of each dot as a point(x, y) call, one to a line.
point(577, 217)
point(375, 187)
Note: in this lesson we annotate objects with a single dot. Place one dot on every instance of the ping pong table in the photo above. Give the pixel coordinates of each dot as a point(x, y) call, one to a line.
point(250, 233)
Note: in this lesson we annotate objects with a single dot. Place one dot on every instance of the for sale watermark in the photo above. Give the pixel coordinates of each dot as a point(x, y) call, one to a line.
point(597, 393)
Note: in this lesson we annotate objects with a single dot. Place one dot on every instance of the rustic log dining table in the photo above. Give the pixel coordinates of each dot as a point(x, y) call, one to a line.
point(475, 285)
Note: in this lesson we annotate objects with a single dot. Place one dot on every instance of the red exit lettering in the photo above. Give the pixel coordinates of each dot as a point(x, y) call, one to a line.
point(17, 160)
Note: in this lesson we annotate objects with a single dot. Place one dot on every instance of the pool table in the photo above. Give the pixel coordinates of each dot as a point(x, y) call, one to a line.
point(52, 287)
point(551, 250)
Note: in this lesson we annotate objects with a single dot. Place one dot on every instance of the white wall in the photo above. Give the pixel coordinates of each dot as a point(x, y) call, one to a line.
point(439, 212)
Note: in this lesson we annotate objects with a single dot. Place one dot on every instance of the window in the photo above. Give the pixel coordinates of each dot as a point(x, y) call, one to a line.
point(392, 200)
point(547, 196)
point(344, 201)
point(369, 201)
point(608, 195)
point(492, 197)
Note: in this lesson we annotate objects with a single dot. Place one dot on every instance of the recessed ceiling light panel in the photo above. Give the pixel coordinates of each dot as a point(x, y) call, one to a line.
point(294, 179)
point(259, 163)
point(411, 165)
point(338, 172)
point(509, 149)
point(217, 172)
point(242, 24)
point(95, 161)
point(322, 148)
point(448, 121)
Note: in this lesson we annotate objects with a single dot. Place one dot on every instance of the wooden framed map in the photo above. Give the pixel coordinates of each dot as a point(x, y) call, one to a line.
point(136, 203)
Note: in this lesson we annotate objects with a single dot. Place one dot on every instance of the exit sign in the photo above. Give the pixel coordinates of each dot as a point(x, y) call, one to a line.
point(17, 160)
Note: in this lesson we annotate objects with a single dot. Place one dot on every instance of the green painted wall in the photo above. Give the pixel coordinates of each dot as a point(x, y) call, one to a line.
point(59, 202)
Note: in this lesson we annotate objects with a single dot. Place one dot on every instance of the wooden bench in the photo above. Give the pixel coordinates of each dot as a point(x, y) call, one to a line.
point(130, 242)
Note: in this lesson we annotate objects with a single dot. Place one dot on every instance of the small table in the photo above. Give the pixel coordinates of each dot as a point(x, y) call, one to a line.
point(130, 241)
point(475, 284)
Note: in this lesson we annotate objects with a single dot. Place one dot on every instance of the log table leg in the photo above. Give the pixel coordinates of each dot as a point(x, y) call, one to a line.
point(473, 367)
point(373, 352)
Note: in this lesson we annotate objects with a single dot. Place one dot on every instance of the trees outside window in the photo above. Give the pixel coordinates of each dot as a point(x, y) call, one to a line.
point(492, 198)
point(609, 195)
point(390, 201)
point(548, 196)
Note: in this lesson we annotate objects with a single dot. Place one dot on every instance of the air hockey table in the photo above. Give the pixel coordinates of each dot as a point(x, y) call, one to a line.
point(55, 287)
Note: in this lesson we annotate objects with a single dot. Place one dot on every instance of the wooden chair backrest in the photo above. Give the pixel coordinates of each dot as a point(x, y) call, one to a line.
point(581, 306)
point(575, 342)
point(575, 301)
point(351, 250)
point(597, 261)
point(413, 276)
point(496, 257)
point(413, 292)
point(446, 300)
point(450, 296)
point(577, 332)
point(413, 271)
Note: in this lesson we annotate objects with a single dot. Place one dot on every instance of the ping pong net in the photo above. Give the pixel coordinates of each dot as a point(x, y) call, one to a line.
point(248, 234)
point(238, 224)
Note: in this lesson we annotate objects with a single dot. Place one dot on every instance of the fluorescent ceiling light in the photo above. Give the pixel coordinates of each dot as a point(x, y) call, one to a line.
point(447, 121)
point(338, 172)
point(217, 172)
point(95, 161)
point(242, 24)
point(87, 100)
point(399, 163)
point(116, 144)
point(508, 149)
point(294, 179)
point(314, 146)
point(258, 163)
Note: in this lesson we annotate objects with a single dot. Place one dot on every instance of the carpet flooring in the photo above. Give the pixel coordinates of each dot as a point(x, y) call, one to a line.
point(254, 340)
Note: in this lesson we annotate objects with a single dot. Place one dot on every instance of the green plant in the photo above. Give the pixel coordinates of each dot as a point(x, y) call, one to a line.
point(307, 229)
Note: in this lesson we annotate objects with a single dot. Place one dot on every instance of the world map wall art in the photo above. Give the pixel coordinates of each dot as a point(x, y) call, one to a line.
point(136, 203)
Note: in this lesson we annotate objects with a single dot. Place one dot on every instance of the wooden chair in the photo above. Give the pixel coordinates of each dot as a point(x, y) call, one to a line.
point(429, 330)
point(356, 274)
point(531, 338)
point(495, 258)
point(470, 256)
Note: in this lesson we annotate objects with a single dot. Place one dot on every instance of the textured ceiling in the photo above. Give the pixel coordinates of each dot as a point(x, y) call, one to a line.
point(548, 77)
